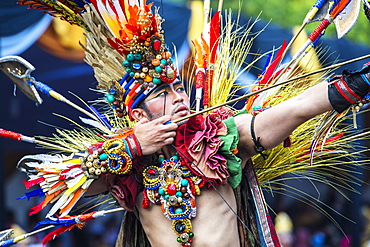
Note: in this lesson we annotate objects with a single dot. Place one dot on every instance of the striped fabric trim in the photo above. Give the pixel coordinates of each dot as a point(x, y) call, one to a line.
point(266, 229)
point(345, 91)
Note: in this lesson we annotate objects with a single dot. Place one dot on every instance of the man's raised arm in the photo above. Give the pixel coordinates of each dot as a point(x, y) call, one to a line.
point(277, 123)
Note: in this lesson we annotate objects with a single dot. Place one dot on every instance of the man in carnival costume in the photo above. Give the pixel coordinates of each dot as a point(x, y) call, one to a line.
point(182, 180)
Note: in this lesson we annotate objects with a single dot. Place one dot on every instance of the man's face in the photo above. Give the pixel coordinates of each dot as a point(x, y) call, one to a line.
point(168, 99)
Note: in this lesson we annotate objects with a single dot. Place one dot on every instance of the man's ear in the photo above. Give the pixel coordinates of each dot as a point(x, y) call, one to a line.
point(138, 114)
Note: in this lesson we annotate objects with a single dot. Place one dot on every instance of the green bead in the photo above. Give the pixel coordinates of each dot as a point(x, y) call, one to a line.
point(110, 98)
point(179, 240)
point(161, 159)
point(130, 57)
point(103, 156)
point(157, 81)
point(161, 191)
point(138, 56)
point(191, 235)
point(126, 63)
point(158, 69)
point(184, 182)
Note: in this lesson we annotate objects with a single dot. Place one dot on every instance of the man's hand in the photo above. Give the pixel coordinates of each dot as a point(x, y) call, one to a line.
point(153, 135)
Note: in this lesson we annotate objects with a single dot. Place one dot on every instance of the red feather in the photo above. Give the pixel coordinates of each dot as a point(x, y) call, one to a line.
point(214, 33)
point(271, 68)
point(57, 232)
point(31, 183)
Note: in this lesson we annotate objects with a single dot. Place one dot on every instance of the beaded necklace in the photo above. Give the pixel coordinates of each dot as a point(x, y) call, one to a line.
point(173, 187)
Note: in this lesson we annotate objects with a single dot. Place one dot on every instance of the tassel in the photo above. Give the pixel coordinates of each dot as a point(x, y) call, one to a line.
point(57, 232)
point(57, 222)
point(29, 184)
point(34, 193)
point(36, 209)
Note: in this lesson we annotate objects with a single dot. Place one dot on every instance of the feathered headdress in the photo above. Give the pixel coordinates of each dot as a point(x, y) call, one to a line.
point(124, 44)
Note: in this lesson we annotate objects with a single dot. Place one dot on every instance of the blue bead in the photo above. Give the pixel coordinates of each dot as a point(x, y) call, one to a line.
point(164, 61)
point(157, 81)
point(112, 91)
point(138, 56)
point(161, 191)
point(180, 227)
point(126, 63)
point(130, 57)
point(184, 182)
point(136, 66)
point(178, 194)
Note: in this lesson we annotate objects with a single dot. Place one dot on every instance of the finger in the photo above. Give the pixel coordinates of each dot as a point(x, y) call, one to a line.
point(143, 120)
point(163, 119)
point(169, 140)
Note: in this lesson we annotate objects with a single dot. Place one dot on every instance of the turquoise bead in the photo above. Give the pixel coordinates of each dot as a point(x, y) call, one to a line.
point(110, 98)
point(160, 160)
point(178, 194)
point(175, 157)
point(130, 57)
point(158, 69)
point(256, 108)
point(126, 63)
point(184, 182)
point(128, 70)
point(161, 191)
point(164, 61)
point(138, 56)
point(132, 74)
point(166, 197)
point(103, 156)
point(157, 81)
point(178, 211)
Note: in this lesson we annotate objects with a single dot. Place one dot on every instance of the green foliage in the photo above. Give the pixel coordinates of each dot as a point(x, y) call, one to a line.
point(289, 13)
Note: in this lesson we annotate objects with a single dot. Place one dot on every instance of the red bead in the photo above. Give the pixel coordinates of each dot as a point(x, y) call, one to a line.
point(171, 189)
point(151, 171)
point(157, 45)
